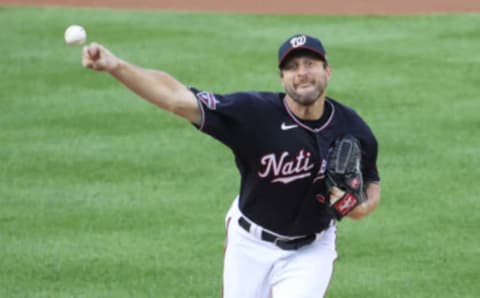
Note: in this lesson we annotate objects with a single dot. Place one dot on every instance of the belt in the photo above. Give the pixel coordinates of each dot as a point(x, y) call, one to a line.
point(285, 244)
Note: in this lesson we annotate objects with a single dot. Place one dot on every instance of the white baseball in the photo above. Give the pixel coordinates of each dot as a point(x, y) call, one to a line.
point(75, 35)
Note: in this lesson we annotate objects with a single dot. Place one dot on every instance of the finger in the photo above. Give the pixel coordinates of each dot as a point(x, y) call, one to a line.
point(93, 52)
point(335, 191)
point(86, 61)
point(97, 67)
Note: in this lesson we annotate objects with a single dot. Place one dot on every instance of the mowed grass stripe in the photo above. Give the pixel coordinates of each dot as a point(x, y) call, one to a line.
point(103, 195)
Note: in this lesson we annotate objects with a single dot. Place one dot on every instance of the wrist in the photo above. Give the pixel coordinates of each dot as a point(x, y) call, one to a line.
point(115, 66)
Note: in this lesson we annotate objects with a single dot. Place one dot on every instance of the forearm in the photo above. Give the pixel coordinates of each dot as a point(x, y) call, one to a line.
point(155, 86)
point(159, 88)
point(365, 208)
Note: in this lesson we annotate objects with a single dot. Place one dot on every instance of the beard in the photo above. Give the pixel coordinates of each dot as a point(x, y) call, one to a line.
point(306, 97)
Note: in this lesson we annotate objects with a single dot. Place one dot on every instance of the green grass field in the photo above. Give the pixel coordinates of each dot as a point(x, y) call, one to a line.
point(103, 195)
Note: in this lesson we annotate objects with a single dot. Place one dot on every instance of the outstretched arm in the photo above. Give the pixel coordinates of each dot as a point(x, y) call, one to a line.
point(155, 86)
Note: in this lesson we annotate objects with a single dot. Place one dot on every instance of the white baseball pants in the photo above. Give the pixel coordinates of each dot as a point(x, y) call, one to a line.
point(254, 268)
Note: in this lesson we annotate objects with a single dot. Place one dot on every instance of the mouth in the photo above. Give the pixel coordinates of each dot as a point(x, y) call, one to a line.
point(304, 83)
point(304, 86)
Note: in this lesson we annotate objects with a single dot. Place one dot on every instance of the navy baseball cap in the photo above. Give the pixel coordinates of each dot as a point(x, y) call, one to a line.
point(301, 42)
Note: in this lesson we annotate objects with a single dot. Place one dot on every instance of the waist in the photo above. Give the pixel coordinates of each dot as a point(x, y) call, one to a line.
point(287, 219)
point(283, 242)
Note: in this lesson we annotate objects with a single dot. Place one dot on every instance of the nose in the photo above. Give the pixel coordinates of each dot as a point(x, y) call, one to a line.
point(302, 70)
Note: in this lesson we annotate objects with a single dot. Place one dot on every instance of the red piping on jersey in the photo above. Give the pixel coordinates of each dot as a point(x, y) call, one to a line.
point(290, 113)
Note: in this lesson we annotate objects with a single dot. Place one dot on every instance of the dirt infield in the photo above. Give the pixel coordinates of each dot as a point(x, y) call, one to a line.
point(275, 6)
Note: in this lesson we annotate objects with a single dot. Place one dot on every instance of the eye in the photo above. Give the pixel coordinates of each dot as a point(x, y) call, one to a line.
point(291, 66)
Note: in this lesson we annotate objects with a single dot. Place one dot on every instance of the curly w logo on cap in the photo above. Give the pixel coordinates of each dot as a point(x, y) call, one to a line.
point(298, 41)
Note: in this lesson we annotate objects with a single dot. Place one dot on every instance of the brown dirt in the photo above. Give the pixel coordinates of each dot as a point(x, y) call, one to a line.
point(275, 6)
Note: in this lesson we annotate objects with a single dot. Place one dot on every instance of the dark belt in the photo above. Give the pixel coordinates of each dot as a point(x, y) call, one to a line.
point(286, 244)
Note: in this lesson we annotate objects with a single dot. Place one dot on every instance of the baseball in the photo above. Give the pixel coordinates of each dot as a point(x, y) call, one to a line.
point(75, 35)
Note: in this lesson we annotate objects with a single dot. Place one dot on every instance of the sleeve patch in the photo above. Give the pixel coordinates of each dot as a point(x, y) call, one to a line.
point(208, 99)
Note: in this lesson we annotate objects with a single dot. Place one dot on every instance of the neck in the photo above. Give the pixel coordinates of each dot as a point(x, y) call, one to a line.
point(307, 112)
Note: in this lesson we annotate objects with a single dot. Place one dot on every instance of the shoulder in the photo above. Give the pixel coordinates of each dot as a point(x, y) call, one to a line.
point(352, 122)
point(345, 112)
point(242, 97)
point(257, 97)
point(342, 109)
point(250, 100)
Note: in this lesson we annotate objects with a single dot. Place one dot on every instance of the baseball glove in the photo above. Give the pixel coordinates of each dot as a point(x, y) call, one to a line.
point(344, 172)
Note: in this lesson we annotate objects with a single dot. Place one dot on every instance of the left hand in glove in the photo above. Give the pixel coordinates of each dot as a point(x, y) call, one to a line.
point(344, 176)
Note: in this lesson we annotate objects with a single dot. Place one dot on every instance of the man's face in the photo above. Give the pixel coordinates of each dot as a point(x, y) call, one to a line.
point(304, 77)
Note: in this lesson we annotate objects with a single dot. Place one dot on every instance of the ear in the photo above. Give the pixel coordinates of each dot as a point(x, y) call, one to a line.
point(328, 71)
point(280, 72)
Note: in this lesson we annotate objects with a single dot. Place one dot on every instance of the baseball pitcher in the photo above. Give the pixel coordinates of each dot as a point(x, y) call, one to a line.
point(306, 161)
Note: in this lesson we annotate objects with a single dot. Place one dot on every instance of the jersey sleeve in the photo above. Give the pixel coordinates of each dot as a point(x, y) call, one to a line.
point(354, 124)
point(369, 160)
point(224, 116)
point(369, 147)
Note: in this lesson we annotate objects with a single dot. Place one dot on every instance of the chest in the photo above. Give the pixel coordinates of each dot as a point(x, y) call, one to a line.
point(284, 152)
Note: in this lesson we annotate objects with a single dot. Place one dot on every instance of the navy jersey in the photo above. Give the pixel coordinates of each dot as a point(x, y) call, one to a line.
point(281, 159)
